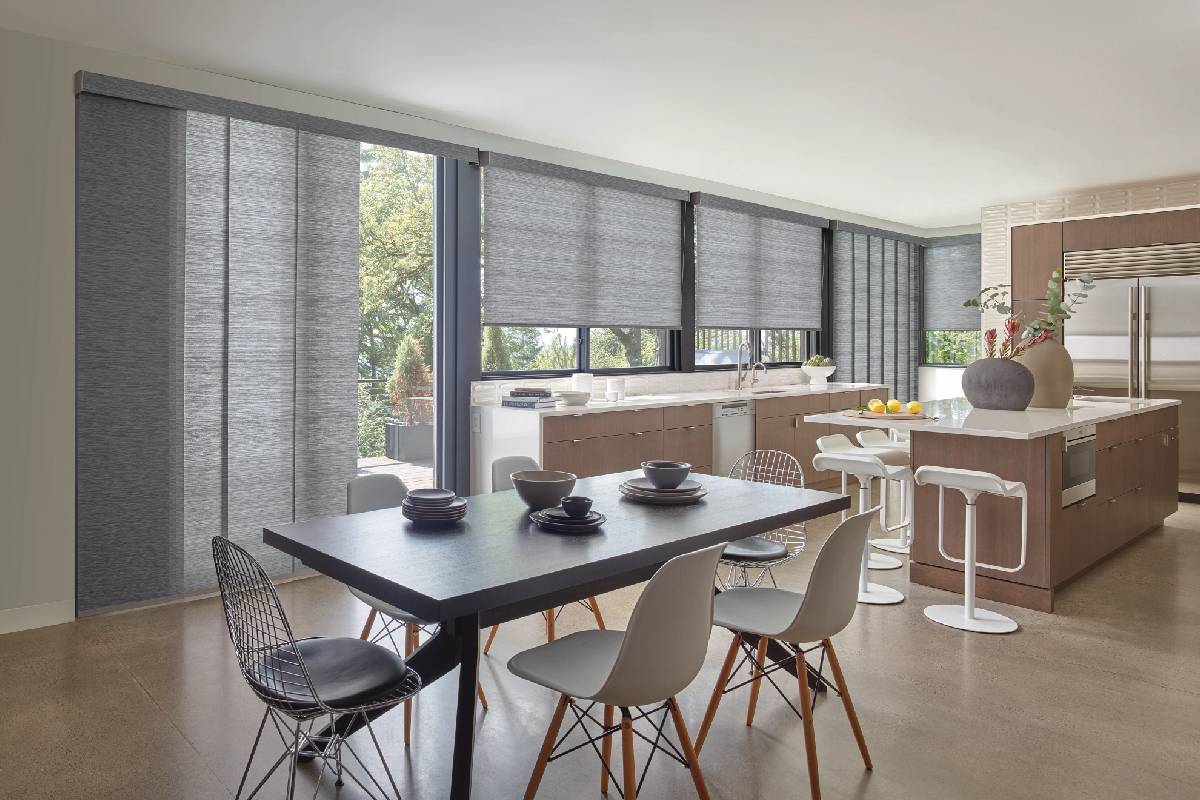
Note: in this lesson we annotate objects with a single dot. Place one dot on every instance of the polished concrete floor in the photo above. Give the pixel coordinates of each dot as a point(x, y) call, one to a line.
point(1101, 699)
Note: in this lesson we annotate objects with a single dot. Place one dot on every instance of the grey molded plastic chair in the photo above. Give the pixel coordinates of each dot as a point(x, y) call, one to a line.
point(335, 681)
point(659, 654)
point(792, 619)
point(372, 493)
point(502, 470)
point(765, 551)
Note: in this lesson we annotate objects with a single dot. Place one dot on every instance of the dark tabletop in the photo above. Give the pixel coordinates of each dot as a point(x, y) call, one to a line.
point(497, 558)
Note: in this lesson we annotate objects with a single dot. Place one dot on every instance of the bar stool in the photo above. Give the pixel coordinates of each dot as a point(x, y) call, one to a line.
point(864, 467)
point(973, 483)
point(838, 443)
point(876, 439)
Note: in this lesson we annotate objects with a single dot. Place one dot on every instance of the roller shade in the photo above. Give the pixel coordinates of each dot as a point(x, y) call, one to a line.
point(568, 248)
point(756, 267)
point(953, 266)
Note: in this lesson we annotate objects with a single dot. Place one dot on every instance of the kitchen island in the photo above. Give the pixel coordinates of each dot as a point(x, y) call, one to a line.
point(1136, 469)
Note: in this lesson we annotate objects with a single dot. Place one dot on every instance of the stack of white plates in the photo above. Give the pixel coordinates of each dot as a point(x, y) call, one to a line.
point(435, 506)
point(641, 490)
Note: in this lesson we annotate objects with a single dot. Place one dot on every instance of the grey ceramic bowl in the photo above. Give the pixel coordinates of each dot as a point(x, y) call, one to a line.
point(542, 488)
point(666, 474)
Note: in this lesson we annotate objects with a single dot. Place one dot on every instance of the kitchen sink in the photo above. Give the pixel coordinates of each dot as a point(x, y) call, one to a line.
point(766, 391)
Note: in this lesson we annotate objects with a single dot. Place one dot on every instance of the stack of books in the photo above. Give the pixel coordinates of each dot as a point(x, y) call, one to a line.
point(528, 397)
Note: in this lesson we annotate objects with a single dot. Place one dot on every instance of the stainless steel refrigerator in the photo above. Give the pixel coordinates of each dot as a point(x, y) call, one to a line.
point(1140, 337)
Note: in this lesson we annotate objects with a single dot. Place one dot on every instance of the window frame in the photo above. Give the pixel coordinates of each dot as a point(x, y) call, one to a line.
point(583, 340)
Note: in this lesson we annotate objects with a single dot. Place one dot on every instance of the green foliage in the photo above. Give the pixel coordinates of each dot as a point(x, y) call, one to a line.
point(951, 347)
point(496, 354)
point(819, 361)
point(410, 388)
point(373, 411)
point(558, 354)
point(991, 298)
point(1061, 302)
point(612, 348)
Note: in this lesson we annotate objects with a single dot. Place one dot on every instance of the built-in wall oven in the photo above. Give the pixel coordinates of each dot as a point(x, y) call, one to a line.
point(1079, 464)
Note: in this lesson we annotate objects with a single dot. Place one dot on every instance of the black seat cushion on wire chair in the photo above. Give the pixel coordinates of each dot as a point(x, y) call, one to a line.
point(345, 672)
point(754, 548)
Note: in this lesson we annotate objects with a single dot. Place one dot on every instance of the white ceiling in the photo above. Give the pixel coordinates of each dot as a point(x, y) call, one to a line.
point(917, 112)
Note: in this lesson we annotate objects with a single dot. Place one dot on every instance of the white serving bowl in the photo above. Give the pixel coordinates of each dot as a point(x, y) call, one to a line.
point(542, 488)
point(570, 398)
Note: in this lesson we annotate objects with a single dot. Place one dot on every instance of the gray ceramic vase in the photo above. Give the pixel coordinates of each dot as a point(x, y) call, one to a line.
point(999, 384)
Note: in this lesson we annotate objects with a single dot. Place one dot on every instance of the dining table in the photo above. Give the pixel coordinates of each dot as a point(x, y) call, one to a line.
point(496, 565)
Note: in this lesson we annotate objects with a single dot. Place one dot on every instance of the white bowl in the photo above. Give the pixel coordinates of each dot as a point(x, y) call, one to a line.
point(818, 376)
point(543, 488)
point(570, 398)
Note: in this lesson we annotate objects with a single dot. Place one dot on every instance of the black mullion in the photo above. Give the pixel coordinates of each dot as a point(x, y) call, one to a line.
point(686, 353)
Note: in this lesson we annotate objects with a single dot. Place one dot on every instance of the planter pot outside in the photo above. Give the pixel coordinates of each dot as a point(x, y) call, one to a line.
point(818, 376)
point(1053, 374)
point(999, 384)
point(408, 442)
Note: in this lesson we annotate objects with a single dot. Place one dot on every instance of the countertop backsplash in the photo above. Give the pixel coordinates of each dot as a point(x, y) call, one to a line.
point(638, 384)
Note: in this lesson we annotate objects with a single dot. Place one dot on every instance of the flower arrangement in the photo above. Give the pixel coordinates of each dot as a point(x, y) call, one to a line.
point(1015, 342)
point(1060, 305)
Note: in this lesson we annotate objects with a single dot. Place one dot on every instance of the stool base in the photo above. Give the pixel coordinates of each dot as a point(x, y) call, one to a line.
point(984, 621)
point(879, 595)
point(879, 561)
point(890, 546)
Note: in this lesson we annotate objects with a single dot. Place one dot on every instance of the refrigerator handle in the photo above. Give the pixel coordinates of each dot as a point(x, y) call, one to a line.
point(1144, 332)
point(1134, 343)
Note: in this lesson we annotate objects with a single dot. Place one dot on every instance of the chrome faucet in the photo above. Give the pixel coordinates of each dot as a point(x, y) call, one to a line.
point(741, 374)
point(753, 370)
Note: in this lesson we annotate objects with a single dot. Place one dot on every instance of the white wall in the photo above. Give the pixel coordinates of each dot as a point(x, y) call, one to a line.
point(939, 383)
point(37, 190)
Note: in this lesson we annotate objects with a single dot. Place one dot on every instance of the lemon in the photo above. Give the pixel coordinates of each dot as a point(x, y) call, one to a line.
point(893, 406)
point(876, 406)
point(914, 407)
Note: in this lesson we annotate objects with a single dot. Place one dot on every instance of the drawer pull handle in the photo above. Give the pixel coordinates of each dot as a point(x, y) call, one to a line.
point(576, 441)
point(639, 434)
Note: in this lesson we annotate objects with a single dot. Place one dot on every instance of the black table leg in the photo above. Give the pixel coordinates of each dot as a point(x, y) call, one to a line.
point(466, 635)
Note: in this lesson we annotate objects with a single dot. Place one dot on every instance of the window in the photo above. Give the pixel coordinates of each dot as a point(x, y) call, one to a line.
point(719, 346)
point(951, 348)
point(625, 348)
point(787, 346)
point(525, 349)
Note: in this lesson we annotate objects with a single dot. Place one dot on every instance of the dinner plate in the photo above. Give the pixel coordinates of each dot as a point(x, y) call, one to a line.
point(558, 514)
point(661, 499)
point(452, 505)
point(558, 527)
point(627, 489)
point(431, 495)
point(645, 485)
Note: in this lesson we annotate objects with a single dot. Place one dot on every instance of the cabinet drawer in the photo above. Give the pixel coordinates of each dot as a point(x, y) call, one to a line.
point(767, 407)
point(608, 423)
point(628, 450)
point(1111, 433)
point(692, 444)
point(687, 416)
point(867, 395)
point(840, 401)
point(583, 457)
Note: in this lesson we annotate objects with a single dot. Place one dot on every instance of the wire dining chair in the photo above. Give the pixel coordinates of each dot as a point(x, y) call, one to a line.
point(302, 682)
point(757, 556)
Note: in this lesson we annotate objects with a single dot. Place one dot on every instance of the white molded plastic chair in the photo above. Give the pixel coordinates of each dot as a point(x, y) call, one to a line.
point(864, 467)
point(502, 470)
point(654, 659)
point(876, 439)
point(838, 443)
point(792, 619)
point(372, 493)
point(973, 483)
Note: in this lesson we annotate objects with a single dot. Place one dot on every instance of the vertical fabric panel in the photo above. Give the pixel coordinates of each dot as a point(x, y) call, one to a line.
point(904, 288)
point(326, 323)
point(262, 319)
point(841, 316)
point(204, 319)
point(128, 283)
point(887, 336)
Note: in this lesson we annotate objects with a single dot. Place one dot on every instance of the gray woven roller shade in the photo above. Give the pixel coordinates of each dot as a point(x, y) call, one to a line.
point(567, 248)
point(756, 267)
point(876, 310)
point(952, 275)
point(217, 325)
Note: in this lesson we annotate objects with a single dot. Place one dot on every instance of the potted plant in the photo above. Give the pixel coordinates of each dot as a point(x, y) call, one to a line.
point(410, 428)
point(1037, 347)
point(818, 369)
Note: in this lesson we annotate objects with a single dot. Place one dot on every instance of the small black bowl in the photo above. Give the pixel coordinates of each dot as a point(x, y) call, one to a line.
point(666, 474)
point(577, 507)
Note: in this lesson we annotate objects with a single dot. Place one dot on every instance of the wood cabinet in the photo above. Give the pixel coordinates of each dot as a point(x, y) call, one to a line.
point(779, 425)
point(1131, 230)
point(615, 441)
point(1035, 251)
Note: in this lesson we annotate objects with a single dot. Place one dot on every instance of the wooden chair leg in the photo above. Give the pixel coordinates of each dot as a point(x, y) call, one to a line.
point(847, 703)
point(810, 733)
point(606, 750)
point(627, 765)
point(539, 766)
point(550, 615)
point(718, 691)
point(491, 638)
point(366, 631)
point(596, 613)
point(685, 743)
point(411, 640)
point(760, 656)
point(482, 697)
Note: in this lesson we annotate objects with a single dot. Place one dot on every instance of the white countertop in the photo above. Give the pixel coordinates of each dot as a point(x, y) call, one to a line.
point(687, 398)
point(959, 417)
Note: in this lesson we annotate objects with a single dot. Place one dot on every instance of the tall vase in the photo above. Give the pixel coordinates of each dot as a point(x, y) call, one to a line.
point(1053, 374)
point(999, 384)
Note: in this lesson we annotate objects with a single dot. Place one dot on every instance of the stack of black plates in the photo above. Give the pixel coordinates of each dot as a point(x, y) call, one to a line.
point(556, 520)
point(434, 506)
point(641, 490)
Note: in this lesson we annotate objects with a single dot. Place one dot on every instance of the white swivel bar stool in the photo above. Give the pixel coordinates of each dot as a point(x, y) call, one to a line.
point(876, 439)
point(837, 443)
point(863, 468)
point(973, 483)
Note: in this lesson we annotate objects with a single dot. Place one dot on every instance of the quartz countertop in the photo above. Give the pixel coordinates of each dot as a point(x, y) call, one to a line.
point(688, 398)
point(960, 417)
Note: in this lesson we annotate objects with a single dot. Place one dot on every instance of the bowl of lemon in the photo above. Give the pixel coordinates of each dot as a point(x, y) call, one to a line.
point(892, 409)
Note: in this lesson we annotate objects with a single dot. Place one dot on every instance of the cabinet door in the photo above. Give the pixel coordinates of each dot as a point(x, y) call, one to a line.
point(807, 434)
point(1035, 252)
point(628, 450)
point(1132, 230)
point(583, 457)
point(1076, 542)
point(692, 444)
point(775, 433)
